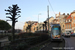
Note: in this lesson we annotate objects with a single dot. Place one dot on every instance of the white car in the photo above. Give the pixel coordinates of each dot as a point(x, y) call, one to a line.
point(67, 34)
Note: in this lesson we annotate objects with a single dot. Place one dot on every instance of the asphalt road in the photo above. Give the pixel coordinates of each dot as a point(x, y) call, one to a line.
point(55, 45)
point(69, 43)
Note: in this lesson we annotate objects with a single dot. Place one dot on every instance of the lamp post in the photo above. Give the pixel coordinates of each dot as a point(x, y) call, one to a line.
point(48, 17)
point(38, 19)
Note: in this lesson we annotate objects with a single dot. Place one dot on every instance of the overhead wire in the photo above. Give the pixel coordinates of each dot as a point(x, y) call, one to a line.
point(51, 6)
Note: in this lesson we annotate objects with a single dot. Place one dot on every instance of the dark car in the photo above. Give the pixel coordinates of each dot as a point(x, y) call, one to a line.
point(73, 34)
point(63, 34)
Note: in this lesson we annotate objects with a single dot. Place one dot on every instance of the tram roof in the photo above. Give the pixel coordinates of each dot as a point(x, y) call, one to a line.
point(55, 25)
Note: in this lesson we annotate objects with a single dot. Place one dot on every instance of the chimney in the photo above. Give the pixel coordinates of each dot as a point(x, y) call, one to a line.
point(59, 13)
point(67, 13)
point(74, 11)
point(63, 13)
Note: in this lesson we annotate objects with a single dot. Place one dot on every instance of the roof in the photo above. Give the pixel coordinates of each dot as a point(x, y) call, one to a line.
point(55, 25)
point(69, 17)
point(73, 12)
point(65, 17)
point(55, 20)
point(49, 18)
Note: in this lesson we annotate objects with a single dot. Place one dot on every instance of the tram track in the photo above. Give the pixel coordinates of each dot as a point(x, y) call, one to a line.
point(55, 45)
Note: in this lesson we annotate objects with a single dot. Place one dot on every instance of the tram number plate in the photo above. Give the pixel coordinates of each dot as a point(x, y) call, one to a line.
point(56, 37)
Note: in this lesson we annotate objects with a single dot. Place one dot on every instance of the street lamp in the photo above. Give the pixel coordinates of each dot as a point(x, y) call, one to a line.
point(38, 17)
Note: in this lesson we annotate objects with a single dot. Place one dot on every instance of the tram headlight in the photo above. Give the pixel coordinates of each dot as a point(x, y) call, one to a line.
point(53, 37)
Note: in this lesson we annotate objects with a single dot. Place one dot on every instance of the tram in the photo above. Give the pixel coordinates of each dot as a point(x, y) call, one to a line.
point(56, 32)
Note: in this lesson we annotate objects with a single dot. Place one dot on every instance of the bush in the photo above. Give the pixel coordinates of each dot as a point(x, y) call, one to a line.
point(22, 46)
point(8, 47)
point(9, 37)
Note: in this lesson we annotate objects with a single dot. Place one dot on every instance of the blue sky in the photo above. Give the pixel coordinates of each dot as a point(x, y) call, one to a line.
point(31, 8)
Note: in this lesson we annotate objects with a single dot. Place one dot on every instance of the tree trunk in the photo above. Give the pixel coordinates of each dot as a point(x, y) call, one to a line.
point(43, 28)
point(13, 30)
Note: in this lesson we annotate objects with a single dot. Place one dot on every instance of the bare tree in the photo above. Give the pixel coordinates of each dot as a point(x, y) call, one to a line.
point(13, 11)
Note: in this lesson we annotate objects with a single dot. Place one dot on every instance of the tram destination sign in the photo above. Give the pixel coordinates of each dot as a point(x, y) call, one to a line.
point(56, 26)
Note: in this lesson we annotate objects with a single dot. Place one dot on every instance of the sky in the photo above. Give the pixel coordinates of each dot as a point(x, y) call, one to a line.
point(31, 8)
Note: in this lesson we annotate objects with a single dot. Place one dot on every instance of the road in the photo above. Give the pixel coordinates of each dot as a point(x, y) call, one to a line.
point(55, 45)
point(67, 44)
point(70, 43)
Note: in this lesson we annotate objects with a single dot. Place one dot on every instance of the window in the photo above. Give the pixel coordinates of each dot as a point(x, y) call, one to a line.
point(66, 26)
point(69, 20)
point(74, 21)
point(66, 20)
point(63, 25)
point(70, 26)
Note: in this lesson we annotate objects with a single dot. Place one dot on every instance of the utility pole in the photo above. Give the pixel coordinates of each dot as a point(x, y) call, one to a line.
point(48, 17)
point(38, 20)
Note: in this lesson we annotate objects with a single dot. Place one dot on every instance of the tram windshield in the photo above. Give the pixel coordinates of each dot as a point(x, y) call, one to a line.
point(56, 30)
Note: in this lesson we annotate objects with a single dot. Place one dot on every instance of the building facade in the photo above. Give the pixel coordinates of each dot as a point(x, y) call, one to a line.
point(33, 27)
point(73, 21)
point(68, 24)
point(62, 19)
point(28, 23)
point(50, 21)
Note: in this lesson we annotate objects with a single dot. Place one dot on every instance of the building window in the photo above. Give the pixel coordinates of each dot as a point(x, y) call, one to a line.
point(66, 26)
point(69, 20)
point(70, 26)
point(66, 20)
point(74, 21)
point(63, 25)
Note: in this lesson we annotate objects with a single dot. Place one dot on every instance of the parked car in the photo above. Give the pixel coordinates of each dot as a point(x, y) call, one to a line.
point(67, 34)
point(73, 34)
